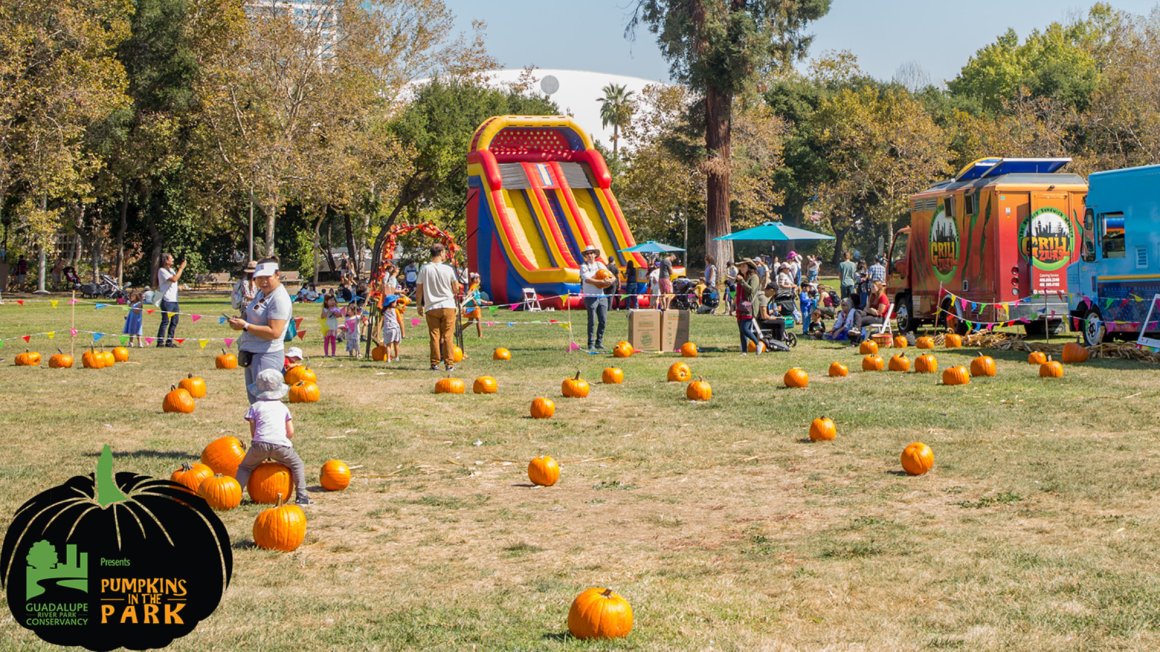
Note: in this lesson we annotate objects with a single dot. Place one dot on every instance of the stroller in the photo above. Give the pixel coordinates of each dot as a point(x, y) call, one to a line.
point(684, 296)
point(710, 299)
point(107, 288)
point(778, 333)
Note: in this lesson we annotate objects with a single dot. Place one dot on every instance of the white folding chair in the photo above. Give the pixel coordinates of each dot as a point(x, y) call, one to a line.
point(885, 327)
point(531, 302)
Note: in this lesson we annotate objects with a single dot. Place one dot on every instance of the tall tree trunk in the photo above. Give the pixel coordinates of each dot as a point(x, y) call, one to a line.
point(121, 236)
point(330, 252)
point(317, 242)
point(718, 139)
point(351, 254)
point(271, 215)
point(43, 258)
point(839, 239)
point(155, 254)
point(250, 234)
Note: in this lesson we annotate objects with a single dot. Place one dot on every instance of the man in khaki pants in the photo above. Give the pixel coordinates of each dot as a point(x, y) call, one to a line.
point(436, 289)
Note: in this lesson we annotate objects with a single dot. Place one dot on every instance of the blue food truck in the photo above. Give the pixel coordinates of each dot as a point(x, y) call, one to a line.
point(1112, 286)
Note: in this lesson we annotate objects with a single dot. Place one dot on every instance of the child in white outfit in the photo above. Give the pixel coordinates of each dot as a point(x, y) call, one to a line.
point(271, 429)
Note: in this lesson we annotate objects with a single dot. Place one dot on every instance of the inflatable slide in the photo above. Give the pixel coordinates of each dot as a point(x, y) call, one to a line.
point(537, 195)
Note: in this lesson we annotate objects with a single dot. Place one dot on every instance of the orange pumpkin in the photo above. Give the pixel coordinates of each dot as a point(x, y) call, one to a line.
point(226, 361)
point(983, 365)
point(109, 359)
point(917, 458)
point(679, 372)
point(450, 386)
point(699, 390)
point(269, 480)
point(27, 359)
point(1051, 369)
point(925, 364)
point(282, 527)
point(379, 353)
point(194, 385)
point(223, 455)
point(899, 362)
point(543, 408)
point(484, 385)
point(612, 376)
point(900, 342)
point(868, 347)
point(1036, 357)
point(191, 475)
point(924, 342)
point(221, 492)
point(956, 376)
point(796, 378)
point(822, 429)
point(61, 360)
point(622, 350)
point(178, 400)
point(688, 350)
point(953, 341)
point(303, 392)
point(121, 354)
point(335, 475)
point(599, 613)
point(543, 471)
point(300, 374)
point(501, 354)
point(838, 370)
point(575, 387)
point(92, 360)
point(457, 354)
point(873, 363)
point(1074, 353)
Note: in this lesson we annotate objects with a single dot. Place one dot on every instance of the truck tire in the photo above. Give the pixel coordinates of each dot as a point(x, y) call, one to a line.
point(904, 313)
point(1093, 328)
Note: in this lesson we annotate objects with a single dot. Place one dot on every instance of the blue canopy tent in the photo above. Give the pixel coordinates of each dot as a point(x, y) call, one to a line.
point(775, 231)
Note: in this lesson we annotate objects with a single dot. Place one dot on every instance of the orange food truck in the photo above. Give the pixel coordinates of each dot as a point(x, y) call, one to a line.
point(990, 246)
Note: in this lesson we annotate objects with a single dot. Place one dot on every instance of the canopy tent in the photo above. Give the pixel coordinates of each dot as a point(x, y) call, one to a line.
point(775, 231)
point(651, 247)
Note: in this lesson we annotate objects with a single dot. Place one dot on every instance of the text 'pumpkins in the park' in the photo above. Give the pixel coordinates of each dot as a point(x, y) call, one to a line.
point(335, 475)
point(543, 471)
point(599, 613)
point(172, 554)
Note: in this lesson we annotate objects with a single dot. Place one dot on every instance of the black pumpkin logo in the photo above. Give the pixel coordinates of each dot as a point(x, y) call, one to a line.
point(133, 562)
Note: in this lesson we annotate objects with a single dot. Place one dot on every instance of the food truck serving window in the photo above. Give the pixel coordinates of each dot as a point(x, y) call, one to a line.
point(1088, 252)
point(1112, 235)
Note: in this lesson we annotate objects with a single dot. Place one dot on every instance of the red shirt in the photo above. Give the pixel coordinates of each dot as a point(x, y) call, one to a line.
point(883, 305)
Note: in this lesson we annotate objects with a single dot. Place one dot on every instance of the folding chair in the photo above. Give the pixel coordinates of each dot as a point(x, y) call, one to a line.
point(885, 327)
point(531, 302)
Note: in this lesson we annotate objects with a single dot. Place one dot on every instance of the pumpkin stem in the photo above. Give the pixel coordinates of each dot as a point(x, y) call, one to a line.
point(107, 490)
point(60, 352)
point(186, 467)
point(577, 376)
point(607, 593)
point(279, 503)
point(223, 351)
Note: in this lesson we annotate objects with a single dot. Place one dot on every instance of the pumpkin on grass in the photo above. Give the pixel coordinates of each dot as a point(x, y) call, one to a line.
point(543, 408)
point(61, 360)
point(917, 458)
point(1051, 369)
point(1074, 353)
point(699, 390)
point(191, 475)
point(688, 350)
point(926, 364)
point(221, 492)
point(543, 471)
point(1036, 357)
point(269, 480)
point(612, 376)
point(900, 342)
point(450, 386)
point(484, 385)
point(335, 475)
point(679, 372)
point(379, 353)
point(304, 392)
point(223, 455)
point(873, 363)
point(575, 387)
point(599, 613)
point(108, 355)
point(281, 527)
point(226, 360)
point(178, 400)
point(92, 360)
point(953, 341)
point(956, 376)
point(822, 429)
point(925, 342)
point(983, 365)
point(457, 354)
point(300, 374)
point(838, 370)
point(501, 354)
point(120, 354)
point(27, 359)
point(899, 362)
point(796, 378)
point(868, 347)
point(622, 350)
point(194, 385)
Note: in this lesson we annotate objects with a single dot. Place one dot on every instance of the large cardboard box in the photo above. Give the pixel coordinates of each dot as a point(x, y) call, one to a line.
point(644, 329)
point(674, 329)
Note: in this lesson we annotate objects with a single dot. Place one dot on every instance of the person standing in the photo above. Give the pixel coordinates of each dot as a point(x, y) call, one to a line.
point(630, 283)
point(612, 290)
point(435, 290)
point(594, 300)
point(846, 275)
point(863, 275)
point(748, 288)
point(815, 267)
point(244, 290)
point(795, 267)
point(666, 278)
point(265, 324)
point(57, 269)
point(730, 286)
point(878, 271)
point(21, 270)
point(167, 280)
point(411, 273)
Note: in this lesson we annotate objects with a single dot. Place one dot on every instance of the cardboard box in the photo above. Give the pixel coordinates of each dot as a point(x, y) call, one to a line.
point(674, 329)
point(644, 329)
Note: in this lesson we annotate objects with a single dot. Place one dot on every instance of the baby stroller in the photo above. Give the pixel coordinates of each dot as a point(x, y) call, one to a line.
point(778, 333)
point(710, 299)
point(107, 288)
point(684, 296)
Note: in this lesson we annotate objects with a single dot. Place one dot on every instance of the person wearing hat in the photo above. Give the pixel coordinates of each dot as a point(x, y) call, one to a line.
point(392, 329)
point(842, 322)
point(748, 290)
point(265, 323)
point(271, 429)
point(594, 300)
point(244, 290)
point(293, 359)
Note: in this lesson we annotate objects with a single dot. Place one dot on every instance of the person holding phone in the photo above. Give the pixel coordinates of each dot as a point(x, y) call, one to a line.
point(167, 280)
point(264, 327)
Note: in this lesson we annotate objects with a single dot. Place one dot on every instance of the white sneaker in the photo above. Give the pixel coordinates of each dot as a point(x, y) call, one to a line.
point(760, 348)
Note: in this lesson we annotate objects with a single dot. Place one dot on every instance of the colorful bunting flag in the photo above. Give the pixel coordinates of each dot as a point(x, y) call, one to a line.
point(97, 336)
point(194, 318)
point(149, 311)
point(100, 305)
point(572, 346)
point(222, 320)
point(148, 341)
point(54, 302)
point(73, 331)
point(202, 343)
point(228, 341)
point(181, 341)
point(21, 302)
point(124, 340)
point(26, 338)
point(415, 321)
point(51, 334)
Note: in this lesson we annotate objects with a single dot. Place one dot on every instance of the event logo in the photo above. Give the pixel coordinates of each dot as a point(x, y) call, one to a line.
point(1046, 239)
point(145, 561)
point(944, 245)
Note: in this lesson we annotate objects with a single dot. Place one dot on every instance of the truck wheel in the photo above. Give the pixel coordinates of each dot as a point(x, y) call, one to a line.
point(904, 313)
point(1093, 328)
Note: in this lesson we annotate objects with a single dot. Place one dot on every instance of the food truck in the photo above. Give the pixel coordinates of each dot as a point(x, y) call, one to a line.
point(990, 246)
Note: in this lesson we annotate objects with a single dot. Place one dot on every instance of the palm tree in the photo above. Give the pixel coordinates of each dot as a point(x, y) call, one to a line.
point(616, 110)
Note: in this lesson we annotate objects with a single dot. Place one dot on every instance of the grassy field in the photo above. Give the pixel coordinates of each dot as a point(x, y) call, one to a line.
point(722, 524)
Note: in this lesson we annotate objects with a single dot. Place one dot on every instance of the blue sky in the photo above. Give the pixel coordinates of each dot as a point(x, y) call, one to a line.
point(940, 36)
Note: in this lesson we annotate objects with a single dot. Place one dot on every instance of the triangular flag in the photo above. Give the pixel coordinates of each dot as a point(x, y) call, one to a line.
point(100, 305)
point(20, 302)
point(491, 323)
point(974, 306)
point(415, 321)
point(552, 321)
point(26, 338)
point(1, 342)
point(194, 318)
point(51, 334)
point(73, 302)
point(73, 331)
point(54, 302)
point(963, 303)
point(149, 311)
point(298, 322)
point(202, 343)
point(573, 347)
point(97, 336)
point(222, 320)
point(302, 334)
point(124, 339)
point(1108, 303)
point(181, 341)
point(228, 341)
point(148, 341)
point(510, 324)
point(491, 310)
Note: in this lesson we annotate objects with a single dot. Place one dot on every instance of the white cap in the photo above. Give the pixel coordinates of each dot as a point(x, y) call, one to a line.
point(294, 352)
point(265, 269)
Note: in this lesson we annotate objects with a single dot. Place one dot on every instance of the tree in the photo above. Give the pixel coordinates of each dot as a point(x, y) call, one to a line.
point(616, 110)
point(721, 48)
point(42, 556)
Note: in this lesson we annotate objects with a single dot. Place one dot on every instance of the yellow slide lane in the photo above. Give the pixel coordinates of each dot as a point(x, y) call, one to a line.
point(590, 218)
point(526, 237)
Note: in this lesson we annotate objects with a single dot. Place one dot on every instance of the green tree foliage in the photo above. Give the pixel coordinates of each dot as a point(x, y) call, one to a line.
point(42, 556)
point(616, 110)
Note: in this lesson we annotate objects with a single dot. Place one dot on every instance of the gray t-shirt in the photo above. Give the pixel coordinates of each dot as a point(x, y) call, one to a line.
point(260, 311)
point(438, 286)
point(846, 270)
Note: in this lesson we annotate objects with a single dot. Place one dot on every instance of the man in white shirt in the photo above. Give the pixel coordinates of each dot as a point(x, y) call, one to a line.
point(593, 290)
point(167, 280)
point(435, 290)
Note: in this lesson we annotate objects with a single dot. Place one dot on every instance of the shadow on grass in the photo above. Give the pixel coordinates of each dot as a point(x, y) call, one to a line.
point(804, 440)
point(185, 455)
point(526, 485)
point(244, 545)
point(903, 474)
point(559, 636)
